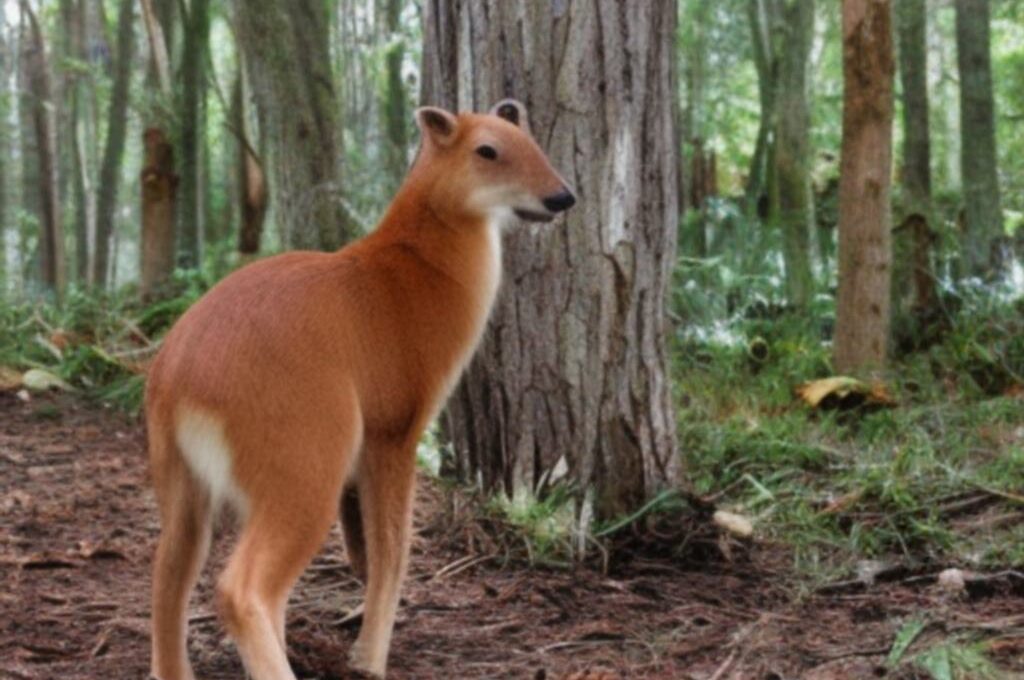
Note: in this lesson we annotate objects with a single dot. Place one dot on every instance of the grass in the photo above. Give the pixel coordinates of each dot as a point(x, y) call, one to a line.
point(844, 486)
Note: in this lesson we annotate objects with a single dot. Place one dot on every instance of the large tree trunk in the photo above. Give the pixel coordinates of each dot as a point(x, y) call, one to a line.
point(983, 242)
point(286, 52)
point(193, 74)
point(113, 152)
point(793, 204)
point(573, 369)
point(51, 243)
point(913, 281)
point(862, 314)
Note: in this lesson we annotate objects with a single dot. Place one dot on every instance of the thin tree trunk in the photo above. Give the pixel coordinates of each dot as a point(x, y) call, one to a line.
point(760, 17)
point(158, 55)
point(983, 243)
point(28, 260)
point(287, 56)
point(159, 186)
point(193, 74)
point(113, 152)
point(252, 185)
point(793, 208)
point(862, 307)
point(695, 240)
point(157, 252)
point(394, 108)
point(7, 61)
point(913, 281)
point(81, 161)
point(573, 370)
point(51, 256)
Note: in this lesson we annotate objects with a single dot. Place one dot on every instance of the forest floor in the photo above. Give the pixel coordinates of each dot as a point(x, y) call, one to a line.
point(78, 527)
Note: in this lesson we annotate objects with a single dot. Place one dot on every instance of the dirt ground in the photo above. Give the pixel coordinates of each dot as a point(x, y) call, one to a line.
point(78, 526)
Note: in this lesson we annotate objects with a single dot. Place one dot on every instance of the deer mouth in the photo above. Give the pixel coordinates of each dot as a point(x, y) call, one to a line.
point(533, 215)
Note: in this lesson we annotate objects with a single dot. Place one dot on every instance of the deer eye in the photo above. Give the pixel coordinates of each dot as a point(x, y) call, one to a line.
point(487, 152)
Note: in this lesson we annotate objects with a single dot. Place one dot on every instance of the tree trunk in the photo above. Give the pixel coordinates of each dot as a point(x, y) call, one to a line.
point(699, 160)
point(31, 220)
point(913, 281)
point(79, 125)
point(793, 207)
point(252, 185)
point(7, 62)
point(51, 251)
point(862, 307)
point(761, 16)
point(286, 52)
point(196, 28)
point(113, 152)
point(573, 369)
point(984, 242)
point(394, 108)
point(157, 252)
point(159, 186)
point(159, 61)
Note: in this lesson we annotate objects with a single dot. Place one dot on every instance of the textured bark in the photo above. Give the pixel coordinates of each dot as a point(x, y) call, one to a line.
point(792, 200)
point(286, 52)
point(113, 152)
point(159, 186)
point(913, 282)
point(862, 307)
point(193, 74)
point(51, 242)
point(983, 242)
point(573, 366)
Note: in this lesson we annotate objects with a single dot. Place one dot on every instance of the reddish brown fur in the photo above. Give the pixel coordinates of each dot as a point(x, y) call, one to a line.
point(322, 371)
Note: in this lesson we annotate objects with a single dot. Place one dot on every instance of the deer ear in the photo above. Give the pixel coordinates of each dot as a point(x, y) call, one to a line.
point(437, 124)
point(513, 111)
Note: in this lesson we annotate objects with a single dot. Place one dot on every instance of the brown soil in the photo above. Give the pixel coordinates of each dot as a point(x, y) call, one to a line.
point(77, 529)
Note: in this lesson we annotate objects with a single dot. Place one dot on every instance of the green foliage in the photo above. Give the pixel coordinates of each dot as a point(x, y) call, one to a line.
point(842, 486)
point(544, 524)
point(97, 343)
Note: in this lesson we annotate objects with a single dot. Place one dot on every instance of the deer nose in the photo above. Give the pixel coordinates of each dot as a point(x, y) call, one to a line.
point(560, 201)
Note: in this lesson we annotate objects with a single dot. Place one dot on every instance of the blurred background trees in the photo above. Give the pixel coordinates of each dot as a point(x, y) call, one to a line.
point(147, 148)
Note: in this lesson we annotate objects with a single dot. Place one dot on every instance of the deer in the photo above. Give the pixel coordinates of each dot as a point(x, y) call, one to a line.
point(298, 387)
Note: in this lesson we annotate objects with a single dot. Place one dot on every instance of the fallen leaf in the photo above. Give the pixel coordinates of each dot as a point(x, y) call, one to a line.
point(737, 525)
point(843, 392)
point(39, 380)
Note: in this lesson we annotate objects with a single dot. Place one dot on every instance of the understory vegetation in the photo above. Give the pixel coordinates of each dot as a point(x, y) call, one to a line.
point(929, 476)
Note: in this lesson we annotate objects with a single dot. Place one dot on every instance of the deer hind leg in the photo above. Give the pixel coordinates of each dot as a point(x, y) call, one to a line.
point(185, 518)
point(352, 530)
point(292, 506)
point(274, 549)
point(386, 485)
